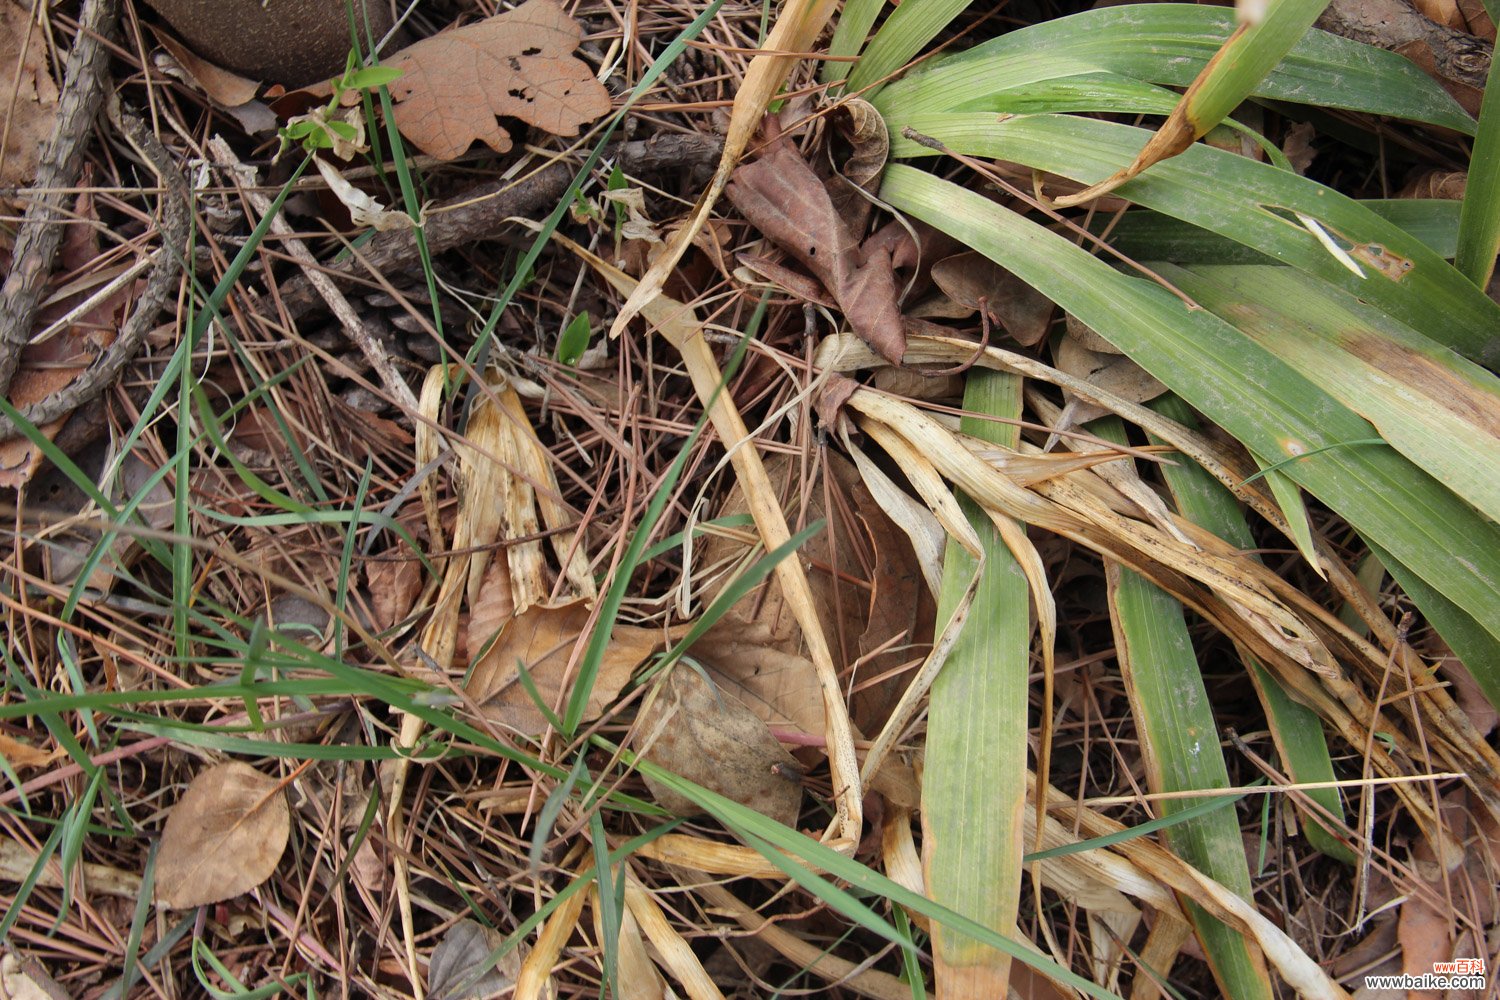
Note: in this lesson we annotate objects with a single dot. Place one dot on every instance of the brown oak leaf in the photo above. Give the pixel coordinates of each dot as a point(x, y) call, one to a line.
point(456, 84)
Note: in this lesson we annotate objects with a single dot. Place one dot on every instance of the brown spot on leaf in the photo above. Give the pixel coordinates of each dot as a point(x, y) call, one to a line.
point(1427, 376)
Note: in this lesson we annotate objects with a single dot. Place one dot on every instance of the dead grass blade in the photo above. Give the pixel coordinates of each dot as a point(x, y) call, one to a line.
point(796, 29)
point(678, 324)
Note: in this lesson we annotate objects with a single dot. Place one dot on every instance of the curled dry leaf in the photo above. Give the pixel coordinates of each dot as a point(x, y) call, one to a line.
point(542, 637)
point(864, 129)
point(1110, 371)
point(223, 837)
point(456, 84)
point(364, 210)
point(29, 109)
point(21, 755)
point(973, 281)
point(1449, 184)
point(710, 738)
point(785, 200)
point(222, 86)
point(468, 944)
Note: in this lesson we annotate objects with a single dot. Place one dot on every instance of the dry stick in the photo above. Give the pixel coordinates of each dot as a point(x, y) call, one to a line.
point(175, 226)
point(41, 230)
point(478, 213)
point(354, 327)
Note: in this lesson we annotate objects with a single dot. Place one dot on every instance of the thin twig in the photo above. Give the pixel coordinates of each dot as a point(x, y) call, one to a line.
point(41, 230)
point(355, 328)
point(175, 223)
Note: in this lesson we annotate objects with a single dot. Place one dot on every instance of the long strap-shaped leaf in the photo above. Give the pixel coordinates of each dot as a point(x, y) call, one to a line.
point(1254, 49)
point(1271, 408)
point(1296, 728)
point(1169, 44)
point(976, 737)
point(1252, 203)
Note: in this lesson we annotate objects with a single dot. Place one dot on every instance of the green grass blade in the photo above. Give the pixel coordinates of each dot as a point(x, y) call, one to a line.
point(1252, 203)
point(1168, 44)
point(910, 26)
point(1253, 395)
point(1479, 223)
point(1296, 729)
point(976, 732)
point(849, 36)
point(609, 902)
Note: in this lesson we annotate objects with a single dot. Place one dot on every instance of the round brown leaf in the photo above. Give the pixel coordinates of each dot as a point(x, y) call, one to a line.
point(708, 737)
point(224, 837)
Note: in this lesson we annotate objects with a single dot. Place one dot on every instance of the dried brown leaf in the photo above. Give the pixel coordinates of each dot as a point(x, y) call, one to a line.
point(456, 84)
point(1450, 184)
point(973, 280)
point(464, 948)
point(780, 688)
point(493, 608)
point(394, 586)
point(1478, 19)
point(1426, 930)
point(1113, 372)
point(221, 85)
point(32, 113)
point(23, 755)
point(860, 125)
point(542, 637)
point(1297, 146)
point(756, 649)
point(223, 837)
point(1444, 12)
point(710, 738)
point(785, 200)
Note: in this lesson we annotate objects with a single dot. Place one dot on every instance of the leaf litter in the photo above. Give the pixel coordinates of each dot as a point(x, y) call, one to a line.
point(528, 506)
